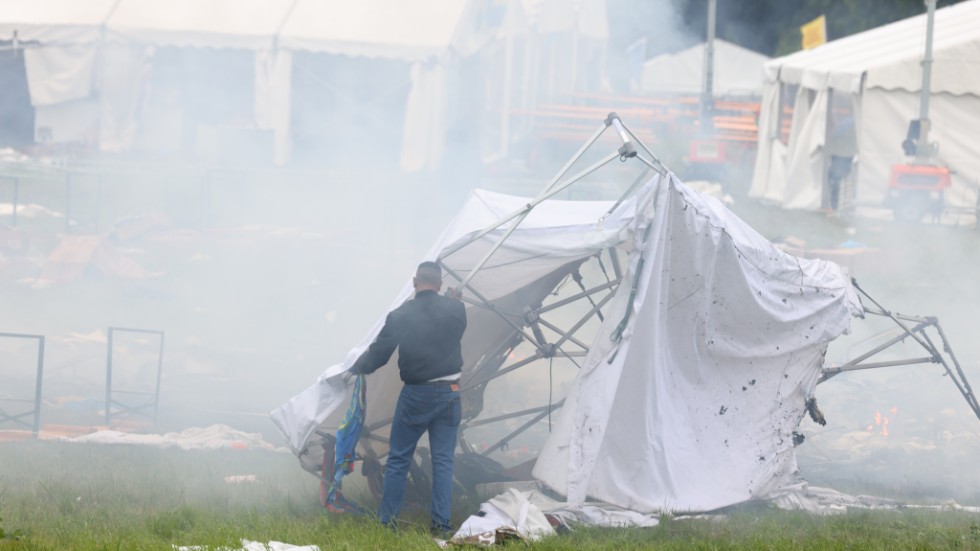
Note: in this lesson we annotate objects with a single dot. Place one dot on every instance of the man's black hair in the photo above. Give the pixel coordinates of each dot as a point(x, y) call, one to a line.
point(430, 272)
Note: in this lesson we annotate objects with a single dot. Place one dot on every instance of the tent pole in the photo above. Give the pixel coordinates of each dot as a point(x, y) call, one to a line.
point(889, 314)
point(614, 258)
point(660, 168)
point(530, 206)
point(554, 328)
point(890, 342)
point(485, 301)
point(507, 416)
point(629, 191)
point(517, 365)
point(584, 319)
point(503, 441)
point(962, 385)
point(906, 317)
point(541, 196)
point(573, 298)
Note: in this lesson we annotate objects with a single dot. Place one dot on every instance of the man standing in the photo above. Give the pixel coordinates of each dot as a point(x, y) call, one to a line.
point(427, 331)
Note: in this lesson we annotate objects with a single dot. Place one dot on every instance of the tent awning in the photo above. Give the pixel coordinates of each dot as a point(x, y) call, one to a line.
point(409, 30)
point(54, 21)
point(890, 56)
point(249, 24)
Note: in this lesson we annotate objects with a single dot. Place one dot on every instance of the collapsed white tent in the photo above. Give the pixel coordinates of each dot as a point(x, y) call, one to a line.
point(694, 383)
point(737, 72)
point(873, 79)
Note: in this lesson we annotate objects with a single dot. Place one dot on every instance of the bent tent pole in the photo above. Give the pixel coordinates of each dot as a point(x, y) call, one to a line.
point(524, 211)
point(522, 214)
point(502, 443)
point(918, 333)
point(624, 152)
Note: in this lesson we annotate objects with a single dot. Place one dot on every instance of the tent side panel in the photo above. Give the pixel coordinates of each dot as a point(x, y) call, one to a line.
point(885, 119)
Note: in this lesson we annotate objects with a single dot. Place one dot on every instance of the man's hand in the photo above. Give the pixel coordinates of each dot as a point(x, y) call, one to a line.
point(455, 292)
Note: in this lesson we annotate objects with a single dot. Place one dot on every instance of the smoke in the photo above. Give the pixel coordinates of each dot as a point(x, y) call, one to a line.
point(260, 277)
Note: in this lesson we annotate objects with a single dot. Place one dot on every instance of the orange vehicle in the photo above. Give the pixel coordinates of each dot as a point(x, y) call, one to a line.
point(917, 189)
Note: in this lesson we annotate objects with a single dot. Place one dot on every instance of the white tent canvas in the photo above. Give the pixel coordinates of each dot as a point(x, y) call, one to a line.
point(54, 22)
point(694, 382)
point(737, 71)
point(873, 78)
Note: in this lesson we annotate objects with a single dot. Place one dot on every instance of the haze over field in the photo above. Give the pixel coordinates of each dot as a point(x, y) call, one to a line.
point(261, 276)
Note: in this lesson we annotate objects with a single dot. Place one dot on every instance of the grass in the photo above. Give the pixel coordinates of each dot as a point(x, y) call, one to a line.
point(59, 495)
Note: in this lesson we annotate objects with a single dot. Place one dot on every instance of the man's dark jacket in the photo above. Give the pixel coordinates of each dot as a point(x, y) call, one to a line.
point(427, 331)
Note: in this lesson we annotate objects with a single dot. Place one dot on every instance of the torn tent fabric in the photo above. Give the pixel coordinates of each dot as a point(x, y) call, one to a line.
point(719, 338)
point(693, 387)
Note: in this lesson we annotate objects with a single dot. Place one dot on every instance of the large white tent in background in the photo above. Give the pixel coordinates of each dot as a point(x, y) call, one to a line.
point(54, 21)
point(869, 84)
point(65, 42)
point(738, 71)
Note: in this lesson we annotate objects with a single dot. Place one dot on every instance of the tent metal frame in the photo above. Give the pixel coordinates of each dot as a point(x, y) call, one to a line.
point(527, 325)
point(910, 327)
point(17, 418)
point(150, 399)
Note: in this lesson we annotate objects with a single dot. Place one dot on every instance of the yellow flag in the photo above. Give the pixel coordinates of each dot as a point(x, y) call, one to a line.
point(814, 33)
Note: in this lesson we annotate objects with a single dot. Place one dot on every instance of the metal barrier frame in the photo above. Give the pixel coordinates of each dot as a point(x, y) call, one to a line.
point(36, 411)
point(129, 409)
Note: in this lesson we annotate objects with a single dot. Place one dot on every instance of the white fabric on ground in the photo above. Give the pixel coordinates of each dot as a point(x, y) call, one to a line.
point(512, 511)
point(252, 546)
point(214, 437)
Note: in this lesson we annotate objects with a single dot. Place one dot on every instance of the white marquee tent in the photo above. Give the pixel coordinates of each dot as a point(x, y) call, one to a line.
point(694, 383)
point(871, 82)
point(63, 39)
point(738, 71)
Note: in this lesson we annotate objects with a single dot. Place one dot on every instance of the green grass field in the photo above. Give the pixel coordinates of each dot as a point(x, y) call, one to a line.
point(60, 495)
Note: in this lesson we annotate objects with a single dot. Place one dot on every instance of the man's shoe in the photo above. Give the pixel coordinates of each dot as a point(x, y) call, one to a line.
point(443, 533)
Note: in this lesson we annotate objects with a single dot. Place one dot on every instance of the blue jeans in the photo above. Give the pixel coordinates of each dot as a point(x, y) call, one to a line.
point(432, 407)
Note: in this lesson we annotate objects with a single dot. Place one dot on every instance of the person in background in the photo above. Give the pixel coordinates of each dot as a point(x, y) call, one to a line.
point(427, 331)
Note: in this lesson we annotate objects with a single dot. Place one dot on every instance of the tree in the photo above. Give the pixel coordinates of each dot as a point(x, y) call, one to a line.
point(771, 27)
